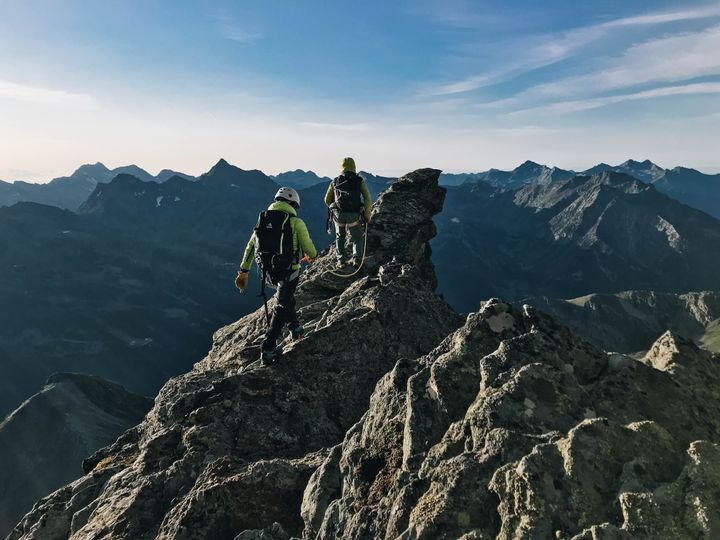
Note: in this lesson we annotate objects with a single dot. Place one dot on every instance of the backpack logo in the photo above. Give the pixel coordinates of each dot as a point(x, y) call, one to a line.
point(269, 226)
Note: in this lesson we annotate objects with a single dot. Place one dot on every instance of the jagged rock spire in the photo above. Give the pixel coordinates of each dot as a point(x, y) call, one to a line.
point(402, 223)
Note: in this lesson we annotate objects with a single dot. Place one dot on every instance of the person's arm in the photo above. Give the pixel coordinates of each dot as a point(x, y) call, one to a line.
point(367, 199)
point(330, 195)
point(303, 236)
point(249, 255)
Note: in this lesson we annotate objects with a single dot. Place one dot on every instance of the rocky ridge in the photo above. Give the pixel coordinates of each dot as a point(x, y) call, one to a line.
point(232, 429)
point(393, 419)
point(515, 428)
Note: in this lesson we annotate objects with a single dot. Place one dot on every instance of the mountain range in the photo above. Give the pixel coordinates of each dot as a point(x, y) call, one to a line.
point(603, 233)
point(69, 192)
point(528, 172)
point(395, 417)
point(300, 179)
point(131, 286)
point(687, 185)
point(143, 262)
point(142, 270)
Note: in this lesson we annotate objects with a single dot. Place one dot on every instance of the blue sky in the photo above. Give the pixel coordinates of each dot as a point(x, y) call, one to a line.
point(276, 85)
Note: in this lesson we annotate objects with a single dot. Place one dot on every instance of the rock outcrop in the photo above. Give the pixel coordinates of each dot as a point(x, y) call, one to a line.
point(515, 428)
point(394, 419)
point(231, 445)
point(44, 441)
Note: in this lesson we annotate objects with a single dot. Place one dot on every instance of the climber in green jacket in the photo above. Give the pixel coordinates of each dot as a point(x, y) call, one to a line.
point(349, 200)
point(278, 243)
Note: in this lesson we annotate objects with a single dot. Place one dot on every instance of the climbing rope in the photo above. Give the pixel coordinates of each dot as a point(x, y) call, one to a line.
point(362, 261)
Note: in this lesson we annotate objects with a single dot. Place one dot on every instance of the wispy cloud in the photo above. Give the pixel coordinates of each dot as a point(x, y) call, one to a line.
point(666, 17)
point(35, 94)
point(338, 127)
point(672, 59)
point(564, 107)
point(474, 82)
point(241, 35)
point(231, 29)
point(455, 13)
point(542, 51)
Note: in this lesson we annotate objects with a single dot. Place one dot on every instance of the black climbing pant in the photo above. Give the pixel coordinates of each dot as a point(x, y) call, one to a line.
point(284, 313)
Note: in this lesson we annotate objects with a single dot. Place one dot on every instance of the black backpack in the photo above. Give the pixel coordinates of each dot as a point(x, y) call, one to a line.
point(347, 192)
point(274, 246)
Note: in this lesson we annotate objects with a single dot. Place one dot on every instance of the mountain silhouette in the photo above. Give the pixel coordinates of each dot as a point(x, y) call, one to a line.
point(605, 233)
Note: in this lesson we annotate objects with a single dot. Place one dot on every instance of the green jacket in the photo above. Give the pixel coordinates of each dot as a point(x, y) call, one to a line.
point(367, 198)
point(301, 237)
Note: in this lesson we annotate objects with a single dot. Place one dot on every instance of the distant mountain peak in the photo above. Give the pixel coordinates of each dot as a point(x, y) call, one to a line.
point(91, 168)
point(646, 164)
point(222, 168)
point(222, 164)
point(529, 165)
point(299, 178)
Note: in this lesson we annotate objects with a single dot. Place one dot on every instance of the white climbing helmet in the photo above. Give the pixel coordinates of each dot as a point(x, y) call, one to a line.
point(288, 194)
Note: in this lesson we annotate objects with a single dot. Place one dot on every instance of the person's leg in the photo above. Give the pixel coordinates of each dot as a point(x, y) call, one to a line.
point(340, 241)
point(358, 241)
point(284, 312)
point(291, 318)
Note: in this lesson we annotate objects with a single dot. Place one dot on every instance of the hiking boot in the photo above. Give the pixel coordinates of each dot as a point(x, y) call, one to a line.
point(297, 333)
point(341, 264)
point(355, 263)
point(270, 356)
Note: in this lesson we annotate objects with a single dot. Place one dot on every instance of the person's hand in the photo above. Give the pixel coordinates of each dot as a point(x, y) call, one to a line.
point(241, 281)
point(306, 260)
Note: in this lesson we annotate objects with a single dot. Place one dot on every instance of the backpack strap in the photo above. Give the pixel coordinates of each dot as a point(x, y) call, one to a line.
point(263, 293)
point(263, 273)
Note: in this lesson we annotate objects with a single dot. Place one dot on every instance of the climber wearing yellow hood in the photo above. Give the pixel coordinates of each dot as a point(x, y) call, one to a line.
point(349, 200)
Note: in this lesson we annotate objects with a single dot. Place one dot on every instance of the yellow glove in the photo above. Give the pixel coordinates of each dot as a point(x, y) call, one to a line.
point(241, 281)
